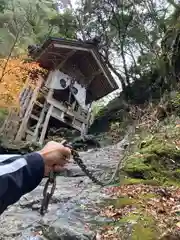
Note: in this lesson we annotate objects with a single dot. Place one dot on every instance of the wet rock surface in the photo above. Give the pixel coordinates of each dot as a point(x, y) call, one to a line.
point(72, 213)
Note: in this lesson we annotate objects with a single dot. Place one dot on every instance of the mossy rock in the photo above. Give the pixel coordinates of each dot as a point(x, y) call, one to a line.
point(162, 149)
point(137, 168)
point(156, 159)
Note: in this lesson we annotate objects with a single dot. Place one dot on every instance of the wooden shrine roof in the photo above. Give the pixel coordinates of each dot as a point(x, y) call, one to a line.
point(80, 60)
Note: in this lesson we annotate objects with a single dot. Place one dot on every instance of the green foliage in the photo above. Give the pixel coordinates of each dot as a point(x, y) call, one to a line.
point(2, 5)
point(98, 108)
point(131, 32)
point(66, 24)
point(25, 22)
point(176, 102)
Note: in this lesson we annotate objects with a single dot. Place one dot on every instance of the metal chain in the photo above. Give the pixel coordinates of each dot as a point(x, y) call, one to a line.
point(52, 180)
point(83, 167)
point(48, 195)
point(52, 177)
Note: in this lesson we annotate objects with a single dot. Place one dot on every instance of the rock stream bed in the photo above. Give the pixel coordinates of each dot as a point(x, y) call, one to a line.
point(72, 213)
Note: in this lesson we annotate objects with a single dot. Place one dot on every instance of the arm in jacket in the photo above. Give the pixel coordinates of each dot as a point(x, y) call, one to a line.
point(22, 174)
point(18, 176)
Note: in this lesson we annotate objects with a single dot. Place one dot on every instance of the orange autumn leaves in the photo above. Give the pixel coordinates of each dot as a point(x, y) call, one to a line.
point(13, 76)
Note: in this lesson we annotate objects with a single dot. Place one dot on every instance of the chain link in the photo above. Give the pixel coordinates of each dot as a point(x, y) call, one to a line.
point(52, 177)
point(83, 167)
point(52, 180)
point(48, 195)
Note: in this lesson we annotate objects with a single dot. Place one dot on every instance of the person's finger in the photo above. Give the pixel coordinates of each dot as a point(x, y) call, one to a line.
point(63, 162)
point(58, 168)
point(60, 160)
point(66, 152)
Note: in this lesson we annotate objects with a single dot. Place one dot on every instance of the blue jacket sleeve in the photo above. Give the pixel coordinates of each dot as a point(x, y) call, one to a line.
point(18, 176)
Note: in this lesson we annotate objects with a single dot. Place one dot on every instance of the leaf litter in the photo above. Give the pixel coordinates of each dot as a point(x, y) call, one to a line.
point(162, 204)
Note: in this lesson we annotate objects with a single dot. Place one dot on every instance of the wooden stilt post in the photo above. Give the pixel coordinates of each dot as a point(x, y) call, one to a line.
point(46, 122)
point(28, 111)
point(40, 121)
point(24, 105)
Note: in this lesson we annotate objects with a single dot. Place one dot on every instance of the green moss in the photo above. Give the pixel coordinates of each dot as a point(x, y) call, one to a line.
point(162, 149)
point(176, 173)
point(132, 181)
point(175, 101)
point(155, 160)
point(119, 202)
point(124, 201)
point(137, 168)
point(144, 226)
point(143, 232)
point(171, 182)
point(146, 142)
point(148, 196)
point(131, 218)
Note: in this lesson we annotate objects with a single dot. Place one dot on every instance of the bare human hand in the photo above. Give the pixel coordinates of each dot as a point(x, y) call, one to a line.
point(55, 156)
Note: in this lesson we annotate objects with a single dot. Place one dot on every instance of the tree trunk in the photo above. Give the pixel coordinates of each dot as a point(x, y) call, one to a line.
point(124, 63)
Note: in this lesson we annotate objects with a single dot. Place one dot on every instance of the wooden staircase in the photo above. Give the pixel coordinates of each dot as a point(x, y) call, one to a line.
point(38, 114)
point(35, 112)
